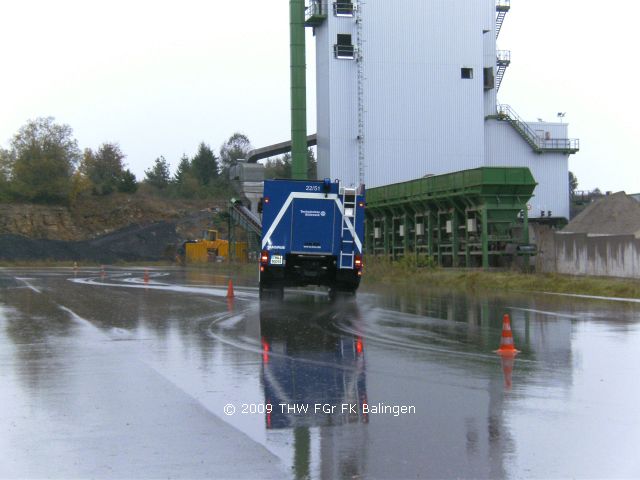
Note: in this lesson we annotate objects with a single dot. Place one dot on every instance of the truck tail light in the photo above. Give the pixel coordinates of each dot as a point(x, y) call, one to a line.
point(358, 262)
point(264, 257)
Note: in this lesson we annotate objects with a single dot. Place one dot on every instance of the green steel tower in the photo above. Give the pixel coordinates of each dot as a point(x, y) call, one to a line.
point(298, 90)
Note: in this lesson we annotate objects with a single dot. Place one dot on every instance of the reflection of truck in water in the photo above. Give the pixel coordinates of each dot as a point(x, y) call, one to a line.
point(210, 248)
point(316, 365)
point(312, 233)
point(308, 360)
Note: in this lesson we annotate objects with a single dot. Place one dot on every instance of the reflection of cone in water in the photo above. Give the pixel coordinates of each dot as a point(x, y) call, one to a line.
point(102, 273)
point(146, 276)
point(506, 341)
point(230, 305)
point(507, 368)
point(230, 290)
point(75, 268)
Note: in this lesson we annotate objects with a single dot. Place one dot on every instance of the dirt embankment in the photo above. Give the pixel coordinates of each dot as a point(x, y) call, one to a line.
point(102, 229)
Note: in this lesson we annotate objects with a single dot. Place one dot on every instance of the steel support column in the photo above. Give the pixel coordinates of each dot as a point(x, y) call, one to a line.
point(455, 243)
point(485, 237)
point(525, 235)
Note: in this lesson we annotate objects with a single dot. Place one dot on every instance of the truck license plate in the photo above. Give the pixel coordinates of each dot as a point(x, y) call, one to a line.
point(276, 260)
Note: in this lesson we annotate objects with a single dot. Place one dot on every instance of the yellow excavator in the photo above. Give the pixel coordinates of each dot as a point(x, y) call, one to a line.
point(211, 248)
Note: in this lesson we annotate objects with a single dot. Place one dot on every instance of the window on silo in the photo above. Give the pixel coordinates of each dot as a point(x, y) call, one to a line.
point(489, 78)
point(343, 9)
point(466, 73)
point(343, 47)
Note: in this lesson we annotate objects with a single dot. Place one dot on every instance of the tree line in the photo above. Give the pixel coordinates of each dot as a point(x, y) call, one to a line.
point(44, 164)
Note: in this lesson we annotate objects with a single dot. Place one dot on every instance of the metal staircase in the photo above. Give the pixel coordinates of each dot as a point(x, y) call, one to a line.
point(539, 145)
point(249, 222)
point(347, 243)
point(503, 59)
point(502, 7)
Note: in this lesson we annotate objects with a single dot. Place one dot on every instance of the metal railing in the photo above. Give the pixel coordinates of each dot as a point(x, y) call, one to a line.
point(344, 51)
point(560, 144)
point(244, 217)
point(343, 9)
point(503, 5)
point(315, 8)
point(505, 112)
point(503, 57)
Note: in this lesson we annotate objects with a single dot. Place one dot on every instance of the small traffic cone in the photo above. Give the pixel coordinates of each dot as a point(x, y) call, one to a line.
point(146, 275)
point(230, 290)
point(506, 341)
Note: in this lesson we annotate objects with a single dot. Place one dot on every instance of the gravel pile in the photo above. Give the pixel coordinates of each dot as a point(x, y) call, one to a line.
point(133, 243)
point(616, 214)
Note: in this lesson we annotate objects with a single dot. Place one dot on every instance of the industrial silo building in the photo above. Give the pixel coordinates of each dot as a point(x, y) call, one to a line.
point(407, 88)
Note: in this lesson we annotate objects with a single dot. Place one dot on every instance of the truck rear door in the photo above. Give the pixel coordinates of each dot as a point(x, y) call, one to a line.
point(313, 226)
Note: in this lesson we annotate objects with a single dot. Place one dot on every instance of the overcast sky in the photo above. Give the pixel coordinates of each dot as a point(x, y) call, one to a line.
point(159, 77)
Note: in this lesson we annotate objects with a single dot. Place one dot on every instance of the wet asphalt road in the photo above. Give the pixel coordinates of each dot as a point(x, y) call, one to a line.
point(109, 376)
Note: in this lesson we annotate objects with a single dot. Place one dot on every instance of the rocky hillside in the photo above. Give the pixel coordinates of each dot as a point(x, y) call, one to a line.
point(104, 229)
point(95, 216)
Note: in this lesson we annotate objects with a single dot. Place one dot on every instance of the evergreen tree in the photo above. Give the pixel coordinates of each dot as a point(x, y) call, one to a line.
point(184, 168)
point(312, 165)
point(128, 182)
point(204, 165)
point(158, 176)
point(280, 167)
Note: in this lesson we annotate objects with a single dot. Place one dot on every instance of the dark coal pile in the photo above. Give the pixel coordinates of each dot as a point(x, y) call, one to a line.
point(133, 243)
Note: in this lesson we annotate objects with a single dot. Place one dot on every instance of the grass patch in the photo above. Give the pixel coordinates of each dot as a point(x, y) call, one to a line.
point(406, 272)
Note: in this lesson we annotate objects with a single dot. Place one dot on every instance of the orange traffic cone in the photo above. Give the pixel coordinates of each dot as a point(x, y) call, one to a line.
point(230, 290)
point(146, 276)
point(506, 341)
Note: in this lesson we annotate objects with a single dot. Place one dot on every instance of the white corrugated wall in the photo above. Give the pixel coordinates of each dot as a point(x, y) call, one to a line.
point(504, 147)
point(421, 117)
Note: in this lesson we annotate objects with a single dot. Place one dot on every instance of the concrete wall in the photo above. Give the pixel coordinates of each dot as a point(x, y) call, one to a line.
point(602, 255)
point(544, 237)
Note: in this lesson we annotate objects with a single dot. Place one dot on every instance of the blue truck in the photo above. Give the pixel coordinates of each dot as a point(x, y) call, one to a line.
point(312, 234)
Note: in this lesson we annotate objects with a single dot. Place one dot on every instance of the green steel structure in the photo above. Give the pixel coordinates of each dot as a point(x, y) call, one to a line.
point(298, 90)
point(461, 219)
